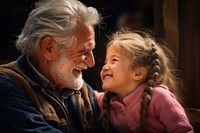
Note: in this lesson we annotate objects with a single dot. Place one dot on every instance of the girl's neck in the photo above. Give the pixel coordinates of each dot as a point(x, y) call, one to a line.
point(123, 94)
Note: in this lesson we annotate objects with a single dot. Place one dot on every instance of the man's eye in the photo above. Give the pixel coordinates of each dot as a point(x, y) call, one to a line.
point(85, 52)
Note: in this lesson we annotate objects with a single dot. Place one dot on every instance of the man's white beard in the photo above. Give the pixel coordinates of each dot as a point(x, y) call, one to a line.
point(64, 74)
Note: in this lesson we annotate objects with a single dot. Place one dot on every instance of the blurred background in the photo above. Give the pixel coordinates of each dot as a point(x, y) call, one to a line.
point(177, 21)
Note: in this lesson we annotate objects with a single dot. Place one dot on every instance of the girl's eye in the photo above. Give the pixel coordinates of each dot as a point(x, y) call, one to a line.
point(114, 59)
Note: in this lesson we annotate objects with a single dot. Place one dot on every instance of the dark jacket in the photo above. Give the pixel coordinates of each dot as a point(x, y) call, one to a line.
point(27, 106)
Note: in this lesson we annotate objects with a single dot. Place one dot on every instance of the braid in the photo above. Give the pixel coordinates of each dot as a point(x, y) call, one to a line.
point(151, 53)
point(152, 81)
point(105, 111)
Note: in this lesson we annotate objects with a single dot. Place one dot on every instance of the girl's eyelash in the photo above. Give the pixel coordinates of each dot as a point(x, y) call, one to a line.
point(115, 60)
point(112, 60)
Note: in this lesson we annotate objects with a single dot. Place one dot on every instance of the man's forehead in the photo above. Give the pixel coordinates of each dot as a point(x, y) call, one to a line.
point(85, 31)
point(86, 45)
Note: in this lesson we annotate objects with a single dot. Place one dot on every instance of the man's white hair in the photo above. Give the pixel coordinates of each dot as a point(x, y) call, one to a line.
point(56, 18)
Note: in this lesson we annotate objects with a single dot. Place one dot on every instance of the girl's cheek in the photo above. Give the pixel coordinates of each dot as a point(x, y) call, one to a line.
point(101, 73)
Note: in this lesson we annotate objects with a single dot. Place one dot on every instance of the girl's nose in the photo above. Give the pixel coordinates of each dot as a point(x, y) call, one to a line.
point(105, 68)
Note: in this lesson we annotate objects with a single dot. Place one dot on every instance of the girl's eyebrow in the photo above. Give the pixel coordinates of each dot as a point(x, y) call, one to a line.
point(115, 55)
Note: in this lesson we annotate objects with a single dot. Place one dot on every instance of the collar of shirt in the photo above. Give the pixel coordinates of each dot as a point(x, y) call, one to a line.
point(43, 80)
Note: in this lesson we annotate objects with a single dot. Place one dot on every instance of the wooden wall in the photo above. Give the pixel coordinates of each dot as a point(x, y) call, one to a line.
point(181, 28)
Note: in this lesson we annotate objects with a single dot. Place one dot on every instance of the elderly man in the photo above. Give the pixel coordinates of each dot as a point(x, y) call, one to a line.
point(43, 90)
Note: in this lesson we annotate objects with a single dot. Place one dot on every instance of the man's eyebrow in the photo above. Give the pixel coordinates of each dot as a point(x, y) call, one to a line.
point(89, 46)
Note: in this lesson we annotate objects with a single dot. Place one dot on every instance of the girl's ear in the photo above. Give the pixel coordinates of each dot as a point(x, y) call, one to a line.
point(140, 73)
point(49, 47)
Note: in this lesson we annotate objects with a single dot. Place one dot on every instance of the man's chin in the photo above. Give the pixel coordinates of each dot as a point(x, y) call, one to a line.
point(76, 85)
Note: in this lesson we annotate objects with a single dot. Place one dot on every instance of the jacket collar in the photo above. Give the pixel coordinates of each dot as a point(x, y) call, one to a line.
point(30, 72)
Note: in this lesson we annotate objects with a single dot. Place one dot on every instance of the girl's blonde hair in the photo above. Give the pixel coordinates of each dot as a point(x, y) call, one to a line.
point(144, 51)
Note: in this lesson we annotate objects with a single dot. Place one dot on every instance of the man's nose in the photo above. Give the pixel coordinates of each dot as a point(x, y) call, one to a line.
point(89, 59)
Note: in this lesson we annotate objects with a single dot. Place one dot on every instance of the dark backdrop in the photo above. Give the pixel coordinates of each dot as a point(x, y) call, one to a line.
point(13, 14)
point(177, 21)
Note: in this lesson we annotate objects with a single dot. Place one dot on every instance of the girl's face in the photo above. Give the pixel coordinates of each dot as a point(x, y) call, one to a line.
point(117, 73)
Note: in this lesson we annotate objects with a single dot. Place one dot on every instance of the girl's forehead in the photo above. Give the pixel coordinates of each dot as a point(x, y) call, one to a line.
point(114, 48)
point(116, 51)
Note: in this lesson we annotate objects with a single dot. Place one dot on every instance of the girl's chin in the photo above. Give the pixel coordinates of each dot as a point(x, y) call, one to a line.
point(105, 88)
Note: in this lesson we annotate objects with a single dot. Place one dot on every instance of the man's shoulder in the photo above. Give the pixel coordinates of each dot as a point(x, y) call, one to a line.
point(8, 70)
point(8, 86)
point(5, 80)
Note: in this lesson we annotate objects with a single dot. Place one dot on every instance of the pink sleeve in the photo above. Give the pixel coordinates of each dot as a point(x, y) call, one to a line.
point(99, 96)
point(170, 112)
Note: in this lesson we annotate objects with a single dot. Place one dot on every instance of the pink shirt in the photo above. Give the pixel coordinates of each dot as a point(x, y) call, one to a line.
point(165, 114)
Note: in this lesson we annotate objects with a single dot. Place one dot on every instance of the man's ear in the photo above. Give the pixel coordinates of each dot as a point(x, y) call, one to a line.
point(140, 73)
point(48, 47)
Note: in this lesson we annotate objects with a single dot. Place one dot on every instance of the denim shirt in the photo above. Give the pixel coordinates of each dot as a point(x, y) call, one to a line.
point(18, 107)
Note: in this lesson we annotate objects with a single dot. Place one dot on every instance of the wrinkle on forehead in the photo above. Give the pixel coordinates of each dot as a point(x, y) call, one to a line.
point(84, 31)
point(84, 38)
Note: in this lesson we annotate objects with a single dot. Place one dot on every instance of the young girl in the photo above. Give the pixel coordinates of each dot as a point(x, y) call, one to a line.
point(140, 84)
